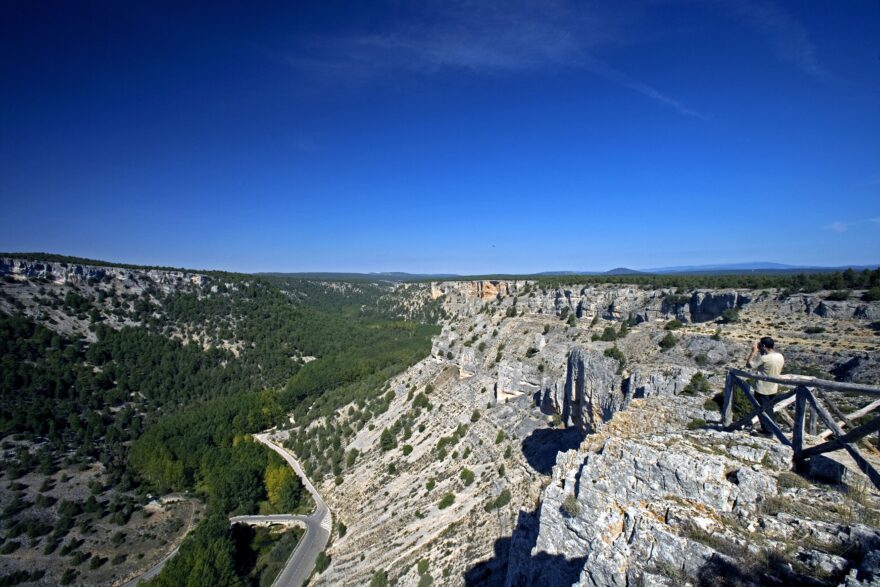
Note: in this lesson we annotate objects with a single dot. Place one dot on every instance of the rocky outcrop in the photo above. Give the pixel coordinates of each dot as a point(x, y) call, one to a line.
point(76, 274)
point(709, 305)
point(648, 382)
point(617, 512)
point(591, 392)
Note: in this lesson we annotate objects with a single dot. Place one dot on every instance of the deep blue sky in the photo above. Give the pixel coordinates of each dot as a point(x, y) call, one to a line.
point(453, 136)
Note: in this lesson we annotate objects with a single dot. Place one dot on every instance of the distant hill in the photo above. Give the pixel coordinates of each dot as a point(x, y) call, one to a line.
point(753, 267)
point(623, 271)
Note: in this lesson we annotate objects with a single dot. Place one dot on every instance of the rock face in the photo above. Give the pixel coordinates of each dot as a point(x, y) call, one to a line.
point(71, 273)
point(657, 510)
point(591, 392)
point(708, 305)
point(668, 380)
point(606, 302)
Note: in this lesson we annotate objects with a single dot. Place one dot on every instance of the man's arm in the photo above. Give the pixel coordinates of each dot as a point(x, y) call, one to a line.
point(752, 356)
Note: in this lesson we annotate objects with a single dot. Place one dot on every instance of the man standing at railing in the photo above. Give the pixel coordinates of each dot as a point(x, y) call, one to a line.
point(767, 361)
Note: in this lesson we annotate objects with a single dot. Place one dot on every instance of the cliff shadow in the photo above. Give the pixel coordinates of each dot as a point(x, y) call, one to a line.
point(541, 446)
point(514, 564)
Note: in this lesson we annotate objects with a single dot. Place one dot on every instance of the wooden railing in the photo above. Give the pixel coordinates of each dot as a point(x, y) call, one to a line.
point(811, 407)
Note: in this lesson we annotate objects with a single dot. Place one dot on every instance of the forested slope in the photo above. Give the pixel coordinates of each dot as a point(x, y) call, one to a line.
point(161, 384)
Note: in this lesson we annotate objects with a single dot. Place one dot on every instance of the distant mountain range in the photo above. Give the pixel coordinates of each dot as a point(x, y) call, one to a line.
point(720, 268)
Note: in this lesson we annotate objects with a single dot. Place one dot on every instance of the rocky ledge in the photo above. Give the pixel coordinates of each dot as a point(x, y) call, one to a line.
point(695, 507)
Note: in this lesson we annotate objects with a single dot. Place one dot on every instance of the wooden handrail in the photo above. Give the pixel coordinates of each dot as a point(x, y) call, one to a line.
point(805, 399)
point(806, 381)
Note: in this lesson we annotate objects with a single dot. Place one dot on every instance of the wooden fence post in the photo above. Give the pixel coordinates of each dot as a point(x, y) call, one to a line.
point(727, 406)
point(797, 429)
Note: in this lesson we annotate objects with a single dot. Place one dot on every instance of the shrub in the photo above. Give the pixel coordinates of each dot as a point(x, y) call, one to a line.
point(673, 325)
point(872, 295)
point(341, 529)
point(609, 334)
point(813, 330)
point(481, 347)
point(616, 354)
point(475, 417)
point(839, 295)
point(407, 449)
point(322, 562)
point(571, 320)
point(697, 384)
point(502, 500)
point(730, 315)
point(446, 501)
point(701, 359)
point(422, 566)
point(379, 579)
point(546, 328)
point(387, 440)
point(716, 335)
point(668, 341)
point(430, 484)
point(570, 506)
point(531, 352)
point(467, 477)
point(500, 437)
point(449, 355)
point(511, 312)
point(696, 424)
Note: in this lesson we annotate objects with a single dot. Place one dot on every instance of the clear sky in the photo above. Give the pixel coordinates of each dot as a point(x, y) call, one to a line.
point(462, 136)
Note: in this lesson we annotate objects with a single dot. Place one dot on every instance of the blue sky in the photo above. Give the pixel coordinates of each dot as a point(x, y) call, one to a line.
point(459, 136)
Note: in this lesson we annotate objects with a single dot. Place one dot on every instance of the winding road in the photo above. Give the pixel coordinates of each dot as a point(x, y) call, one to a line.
point(301, 562)
point(318, 524)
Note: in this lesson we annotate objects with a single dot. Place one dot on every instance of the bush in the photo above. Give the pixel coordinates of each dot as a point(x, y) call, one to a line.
point(570, 506)
point(730, 315)
point(546, 328)
point(668, 341)
point(322, 562)
point(673, 325)
point(609, 334)
point(422, 566)
point(716, 335)
point(502, 500)
point(379, 579)
point(571, 320)
point(696, 424)
point(387, 440)
point(407, 449)
point(446, 501)
point(839, 295)
point(813, 330)
point(872, 295)
point(531, 352)
point(475, 417)
point(430, 484)
point(341, 529)
point(500, 437)
point(467, 477)
point(697, 384)
point(616, 354)
point(511, 312)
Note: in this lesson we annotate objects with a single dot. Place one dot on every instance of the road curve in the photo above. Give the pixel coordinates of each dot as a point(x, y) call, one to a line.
point(302, 560)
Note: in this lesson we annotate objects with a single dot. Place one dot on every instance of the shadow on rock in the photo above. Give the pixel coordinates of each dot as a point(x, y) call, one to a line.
point(513, 563)
point(541, 446)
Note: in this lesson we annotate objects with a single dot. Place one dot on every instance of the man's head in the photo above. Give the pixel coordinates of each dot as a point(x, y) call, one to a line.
point(766, 344)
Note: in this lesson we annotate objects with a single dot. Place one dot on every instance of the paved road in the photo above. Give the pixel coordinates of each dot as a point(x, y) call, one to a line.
point(302, 560)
